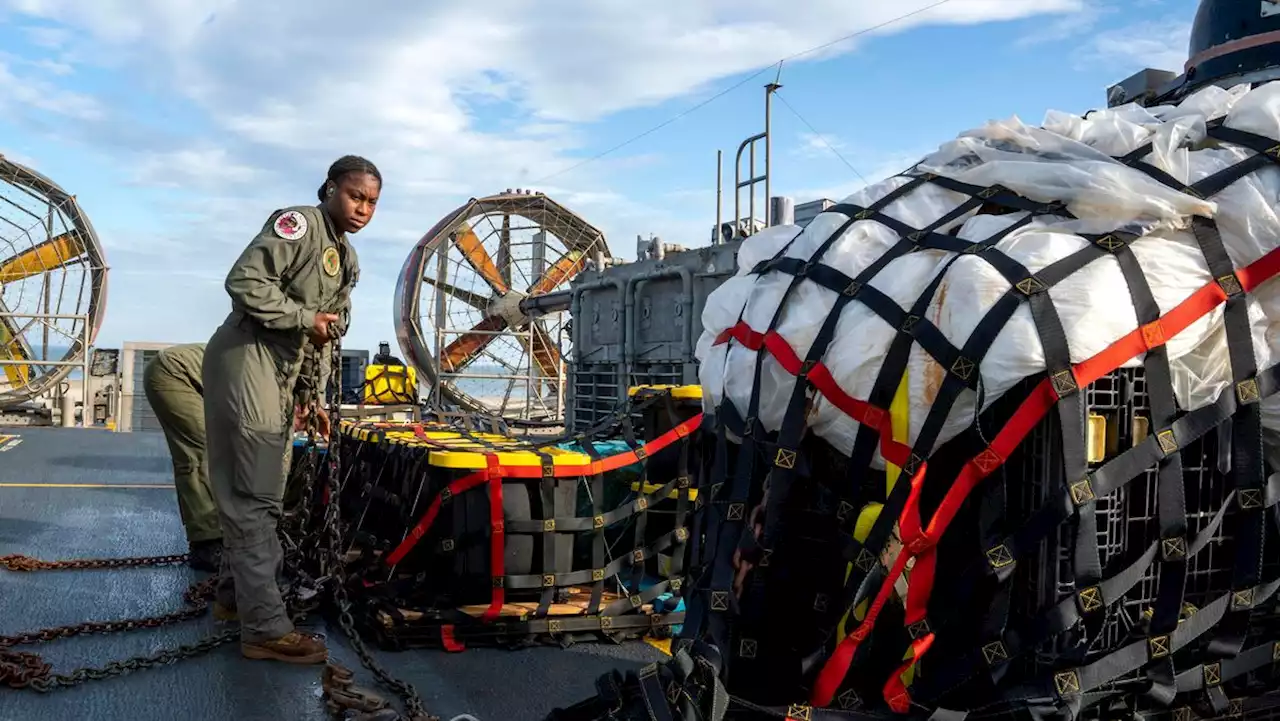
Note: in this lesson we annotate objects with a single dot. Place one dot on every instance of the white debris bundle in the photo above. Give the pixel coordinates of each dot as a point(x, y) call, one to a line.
point(1069, 159)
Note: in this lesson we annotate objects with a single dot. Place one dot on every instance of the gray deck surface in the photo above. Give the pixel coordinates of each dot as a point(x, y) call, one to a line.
point(62, 523)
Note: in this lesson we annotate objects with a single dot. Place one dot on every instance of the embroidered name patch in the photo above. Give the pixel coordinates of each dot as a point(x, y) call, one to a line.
point(330, 261)
point(291, 225)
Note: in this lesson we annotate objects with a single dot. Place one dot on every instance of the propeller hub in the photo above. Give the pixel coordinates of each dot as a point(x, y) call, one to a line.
point(507, 307)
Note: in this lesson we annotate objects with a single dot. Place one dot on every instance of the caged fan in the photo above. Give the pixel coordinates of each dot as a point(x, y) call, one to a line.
point(482, 300)
point(53, 283)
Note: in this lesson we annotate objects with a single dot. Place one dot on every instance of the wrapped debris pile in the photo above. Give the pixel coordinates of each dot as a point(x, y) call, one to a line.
point(998, 423)
point(1069, 161)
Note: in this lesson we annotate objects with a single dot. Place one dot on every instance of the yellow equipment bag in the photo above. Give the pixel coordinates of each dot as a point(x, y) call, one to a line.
point(390, 385)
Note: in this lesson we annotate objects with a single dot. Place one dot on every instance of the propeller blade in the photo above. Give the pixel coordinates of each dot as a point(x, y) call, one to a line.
point(567, 267)
point(473, 250)
point(465, 348)
point(52, 253)
point(475, 300)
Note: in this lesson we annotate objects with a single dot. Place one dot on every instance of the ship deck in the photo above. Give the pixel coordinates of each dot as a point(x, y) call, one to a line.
point(76, 493)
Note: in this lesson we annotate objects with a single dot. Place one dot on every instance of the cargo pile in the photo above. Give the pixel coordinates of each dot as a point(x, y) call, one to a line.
point(1000, 432)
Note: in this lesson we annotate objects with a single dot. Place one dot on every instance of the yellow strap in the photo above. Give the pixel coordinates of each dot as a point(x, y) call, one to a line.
point(899, 419)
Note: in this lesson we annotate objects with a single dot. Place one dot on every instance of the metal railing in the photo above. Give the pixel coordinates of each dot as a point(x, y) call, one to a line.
point(81, 339)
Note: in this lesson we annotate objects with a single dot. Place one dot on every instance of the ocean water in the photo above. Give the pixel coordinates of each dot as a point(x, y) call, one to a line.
point(55, 353)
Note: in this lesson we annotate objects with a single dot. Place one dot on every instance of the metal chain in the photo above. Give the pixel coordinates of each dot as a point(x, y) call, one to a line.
point(330, 558)
point(28, 670)
point(18, 562)
point(164, 657)
point(21, 669)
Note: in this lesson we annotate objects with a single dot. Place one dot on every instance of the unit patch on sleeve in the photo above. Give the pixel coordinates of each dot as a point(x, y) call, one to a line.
point(291, 225)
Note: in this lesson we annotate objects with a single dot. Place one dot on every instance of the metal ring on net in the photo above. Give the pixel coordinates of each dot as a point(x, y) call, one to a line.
point(53, 283)
point(481, 301)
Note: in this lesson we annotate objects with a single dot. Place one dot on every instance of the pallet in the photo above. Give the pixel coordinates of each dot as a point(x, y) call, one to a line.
point(577, 604)
point(515, 624)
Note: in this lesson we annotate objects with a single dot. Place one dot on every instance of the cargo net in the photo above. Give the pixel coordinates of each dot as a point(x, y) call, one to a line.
point(465, 534)
point(989, 435)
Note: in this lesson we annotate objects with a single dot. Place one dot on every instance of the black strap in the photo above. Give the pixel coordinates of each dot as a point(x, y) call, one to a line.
point(739, 467)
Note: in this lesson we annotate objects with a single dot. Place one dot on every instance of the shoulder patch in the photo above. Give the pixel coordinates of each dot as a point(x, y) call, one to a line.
point(291, 225)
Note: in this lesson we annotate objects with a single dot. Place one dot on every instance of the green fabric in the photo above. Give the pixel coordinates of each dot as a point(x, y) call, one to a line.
point(183, 363)
point(253, 367)
point(172, 384)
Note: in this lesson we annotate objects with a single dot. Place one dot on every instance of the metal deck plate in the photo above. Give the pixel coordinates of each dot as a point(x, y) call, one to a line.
point(116, 499)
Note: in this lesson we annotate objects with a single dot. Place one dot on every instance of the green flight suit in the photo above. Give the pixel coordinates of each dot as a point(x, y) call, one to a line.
point(297, 266)
point(173, 387)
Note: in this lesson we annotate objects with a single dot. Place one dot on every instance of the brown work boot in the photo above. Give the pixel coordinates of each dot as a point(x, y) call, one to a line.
point(293, 647)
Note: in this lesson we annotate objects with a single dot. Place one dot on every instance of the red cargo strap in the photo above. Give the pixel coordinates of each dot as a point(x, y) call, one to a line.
point(465, 483)
point(821, 378)
point(1043, 398)
point(478, 478)
point(920, 543)
point(449, 641)
point(497, 539)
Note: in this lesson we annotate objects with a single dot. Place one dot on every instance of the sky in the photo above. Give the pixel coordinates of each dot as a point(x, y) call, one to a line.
point(180, 125)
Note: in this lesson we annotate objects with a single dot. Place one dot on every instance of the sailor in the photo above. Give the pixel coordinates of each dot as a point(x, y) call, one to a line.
point(289, 289)
point(173, 387)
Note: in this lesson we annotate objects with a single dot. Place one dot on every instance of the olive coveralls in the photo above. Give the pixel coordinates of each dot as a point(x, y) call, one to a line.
point(173, 387)
point(296, 267)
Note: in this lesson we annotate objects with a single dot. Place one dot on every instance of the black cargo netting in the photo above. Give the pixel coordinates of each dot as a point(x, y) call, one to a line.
point(1137, 581)
point(469, 535)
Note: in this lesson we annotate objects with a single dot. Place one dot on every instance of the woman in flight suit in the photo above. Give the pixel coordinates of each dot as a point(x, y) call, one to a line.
point(289, 290)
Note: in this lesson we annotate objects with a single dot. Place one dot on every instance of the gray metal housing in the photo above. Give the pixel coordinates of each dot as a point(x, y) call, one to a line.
point(637, 324)
point(1232, 42)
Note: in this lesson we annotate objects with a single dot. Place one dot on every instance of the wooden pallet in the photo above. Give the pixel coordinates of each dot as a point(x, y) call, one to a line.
point(577, 605)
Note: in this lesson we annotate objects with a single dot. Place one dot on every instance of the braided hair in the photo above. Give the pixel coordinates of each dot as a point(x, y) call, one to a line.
point(345, 166)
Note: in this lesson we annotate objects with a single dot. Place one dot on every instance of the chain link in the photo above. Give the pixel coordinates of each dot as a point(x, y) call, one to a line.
point(330, 557)
point(22, 669)
point(17, 562)
point(324, 550)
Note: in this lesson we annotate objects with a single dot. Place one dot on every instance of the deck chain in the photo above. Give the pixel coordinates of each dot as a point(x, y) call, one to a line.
point(330, 556)
point(164, 657)
point(21, 669)
point(18, 562)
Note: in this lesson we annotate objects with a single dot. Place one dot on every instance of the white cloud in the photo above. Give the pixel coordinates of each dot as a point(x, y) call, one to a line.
point(19, 158)
point(1157, 42)
point(21, 93)
point(815, 145)
point(286, 87)
point(1160, 44)
point(196, 168)
point(1069, 25)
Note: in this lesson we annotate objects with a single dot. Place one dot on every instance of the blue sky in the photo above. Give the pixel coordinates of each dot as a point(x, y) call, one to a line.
point(180, 124)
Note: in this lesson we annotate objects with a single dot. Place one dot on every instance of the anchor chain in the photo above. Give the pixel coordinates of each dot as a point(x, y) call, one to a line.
point(23, 669)
point(330, 556)
point(18, 562)
point(20, 669)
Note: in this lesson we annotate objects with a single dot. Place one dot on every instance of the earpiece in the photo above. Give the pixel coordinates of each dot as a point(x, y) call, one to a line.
point(328, 193)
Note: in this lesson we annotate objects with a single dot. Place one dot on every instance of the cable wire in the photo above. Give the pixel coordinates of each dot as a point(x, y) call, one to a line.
point(689, 111)
point(821, 138)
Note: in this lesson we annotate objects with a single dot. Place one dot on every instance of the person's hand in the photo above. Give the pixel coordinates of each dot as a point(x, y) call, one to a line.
point(319, 330)
point(322, 422)
point(302, 415)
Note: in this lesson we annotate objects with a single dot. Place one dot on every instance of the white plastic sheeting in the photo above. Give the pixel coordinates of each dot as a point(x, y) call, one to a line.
point(1068, 159)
